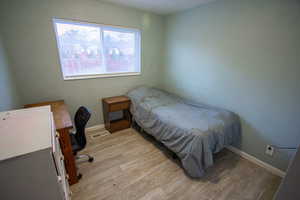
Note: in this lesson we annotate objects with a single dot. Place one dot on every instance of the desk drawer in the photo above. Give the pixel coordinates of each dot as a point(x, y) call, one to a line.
point(119, 106)
point(63, 180)
point(58, 158)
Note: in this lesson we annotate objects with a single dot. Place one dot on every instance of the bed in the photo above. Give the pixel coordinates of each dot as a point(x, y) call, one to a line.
point(193, 131)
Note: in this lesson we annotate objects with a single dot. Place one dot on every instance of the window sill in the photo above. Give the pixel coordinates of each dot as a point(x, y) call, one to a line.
point(67, 78)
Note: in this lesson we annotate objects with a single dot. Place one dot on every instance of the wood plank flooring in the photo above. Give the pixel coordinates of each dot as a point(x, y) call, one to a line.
point(131, 166)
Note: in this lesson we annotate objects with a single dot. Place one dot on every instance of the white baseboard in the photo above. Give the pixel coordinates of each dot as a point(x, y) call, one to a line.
point(95, 128)
point(260, 163)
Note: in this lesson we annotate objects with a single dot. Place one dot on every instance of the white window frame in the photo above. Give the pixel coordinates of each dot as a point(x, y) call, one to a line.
point(103, 27)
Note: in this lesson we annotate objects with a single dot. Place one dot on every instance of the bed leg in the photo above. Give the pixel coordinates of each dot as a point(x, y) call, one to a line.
point(132, 122)
point(174, 156)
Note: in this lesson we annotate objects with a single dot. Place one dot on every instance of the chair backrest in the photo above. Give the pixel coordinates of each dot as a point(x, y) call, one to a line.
point(82, 116)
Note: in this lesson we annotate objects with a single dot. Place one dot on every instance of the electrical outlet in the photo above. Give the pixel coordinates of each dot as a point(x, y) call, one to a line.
point(269, 150)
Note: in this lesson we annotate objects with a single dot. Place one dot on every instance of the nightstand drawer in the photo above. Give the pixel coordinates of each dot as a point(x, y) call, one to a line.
point(119, 106)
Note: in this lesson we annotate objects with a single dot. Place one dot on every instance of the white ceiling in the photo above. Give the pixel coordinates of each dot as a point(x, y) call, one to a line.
point(163, 7)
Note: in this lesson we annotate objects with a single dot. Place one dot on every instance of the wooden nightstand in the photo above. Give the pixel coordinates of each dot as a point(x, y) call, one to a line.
point(113, 105)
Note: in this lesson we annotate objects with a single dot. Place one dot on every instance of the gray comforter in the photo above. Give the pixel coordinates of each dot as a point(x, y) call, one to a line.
point(193, 131)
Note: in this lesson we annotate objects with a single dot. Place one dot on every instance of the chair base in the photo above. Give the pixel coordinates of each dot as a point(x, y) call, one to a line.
point(84, 158)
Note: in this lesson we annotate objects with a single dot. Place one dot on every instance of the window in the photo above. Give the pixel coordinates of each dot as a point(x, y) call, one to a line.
point(92, 50)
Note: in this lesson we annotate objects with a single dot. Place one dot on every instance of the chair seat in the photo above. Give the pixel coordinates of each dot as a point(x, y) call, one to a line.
point(75, 146)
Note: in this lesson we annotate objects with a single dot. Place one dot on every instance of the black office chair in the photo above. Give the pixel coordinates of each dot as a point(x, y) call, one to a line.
point(78, 139)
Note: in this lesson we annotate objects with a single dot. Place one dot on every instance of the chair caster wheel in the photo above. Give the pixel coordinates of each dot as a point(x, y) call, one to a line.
point(91, 159)
point(79, 176)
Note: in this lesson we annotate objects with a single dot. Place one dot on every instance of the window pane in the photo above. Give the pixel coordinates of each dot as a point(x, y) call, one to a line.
point(93, 50)
point(120, 51)
point(80, 49)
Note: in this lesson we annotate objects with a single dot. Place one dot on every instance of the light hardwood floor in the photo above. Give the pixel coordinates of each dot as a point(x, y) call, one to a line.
point(129, 165)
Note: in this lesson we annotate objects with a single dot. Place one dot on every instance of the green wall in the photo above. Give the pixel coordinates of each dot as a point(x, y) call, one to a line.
point(28, 32)
point(242, 55)
point(9, 98)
